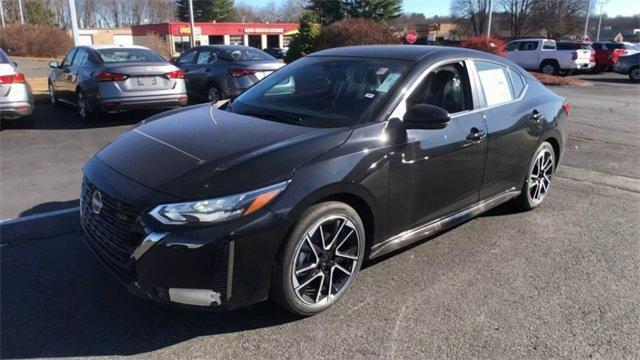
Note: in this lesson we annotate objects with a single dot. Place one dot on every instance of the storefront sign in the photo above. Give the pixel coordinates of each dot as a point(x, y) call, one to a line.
point(186, 30)
point(263, 30)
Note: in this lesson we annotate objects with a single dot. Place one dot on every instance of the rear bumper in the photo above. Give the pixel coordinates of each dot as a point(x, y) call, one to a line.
point(12, 110)
point(581, 65)
point(143, 102)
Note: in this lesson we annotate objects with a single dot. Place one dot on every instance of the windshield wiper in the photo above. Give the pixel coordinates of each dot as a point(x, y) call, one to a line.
point(275, 117)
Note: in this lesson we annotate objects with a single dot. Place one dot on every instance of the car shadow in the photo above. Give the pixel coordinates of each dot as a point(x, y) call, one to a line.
point(611, 80)
point(58, 301)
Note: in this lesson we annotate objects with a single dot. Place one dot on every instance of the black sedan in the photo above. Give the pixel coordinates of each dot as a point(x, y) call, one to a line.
point(341, 156)
point(218, 72)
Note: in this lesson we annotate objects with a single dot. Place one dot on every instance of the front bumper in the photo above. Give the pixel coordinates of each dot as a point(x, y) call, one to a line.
point(216, 268)
point(143, 102)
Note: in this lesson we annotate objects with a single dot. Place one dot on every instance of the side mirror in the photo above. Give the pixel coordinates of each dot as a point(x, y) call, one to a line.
point(54, 64)
point(15, 64)
point(424, 116)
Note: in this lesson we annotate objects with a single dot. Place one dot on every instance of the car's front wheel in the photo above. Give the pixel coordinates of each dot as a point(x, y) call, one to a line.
point(320, 259)
point(53, 99)
point(538, 181)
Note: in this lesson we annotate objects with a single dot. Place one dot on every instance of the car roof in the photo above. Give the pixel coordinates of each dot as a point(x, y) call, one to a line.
point(102, 46)
point(220, 46)
point(404, 52)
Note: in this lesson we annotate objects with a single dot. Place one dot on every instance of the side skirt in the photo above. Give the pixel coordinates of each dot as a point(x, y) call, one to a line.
point(435, 226)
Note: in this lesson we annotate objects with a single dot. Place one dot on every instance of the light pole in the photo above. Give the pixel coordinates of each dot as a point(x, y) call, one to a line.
point(602, 4)
point(21, 13)
point(2, 13)
point(191, 25)
point(490, 13)
point(74, 22)
point(586, 23)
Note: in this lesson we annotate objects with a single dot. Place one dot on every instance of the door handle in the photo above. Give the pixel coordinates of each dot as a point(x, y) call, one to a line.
point(476, 134)
point(535, 116)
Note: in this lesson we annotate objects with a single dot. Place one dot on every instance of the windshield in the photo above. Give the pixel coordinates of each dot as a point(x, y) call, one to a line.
point(122, 55)
point(323, 92)
point(245, 54)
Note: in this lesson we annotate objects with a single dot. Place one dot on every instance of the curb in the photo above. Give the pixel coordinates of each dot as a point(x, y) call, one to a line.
point(40, 228)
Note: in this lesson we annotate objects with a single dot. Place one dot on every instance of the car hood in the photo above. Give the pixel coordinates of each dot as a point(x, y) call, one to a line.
point(201, 151)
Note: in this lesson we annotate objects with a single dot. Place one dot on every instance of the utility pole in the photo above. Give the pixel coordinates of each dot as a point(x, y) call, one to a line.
point(2, 13)
point(586, 23)
point(74, 22)
point(602, 4)
point(21, 13)
point(191, 24)
point(490, 13)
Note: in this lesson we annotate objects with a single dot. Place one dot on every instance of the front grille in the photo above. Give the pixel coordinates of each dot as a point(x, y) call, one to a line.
point(111, 232)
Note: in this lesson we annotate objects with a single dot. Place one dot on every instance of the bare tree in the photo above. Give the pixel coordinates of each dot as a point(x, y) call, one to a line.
point(472, 11)
point(519, 15)
point(560, 17)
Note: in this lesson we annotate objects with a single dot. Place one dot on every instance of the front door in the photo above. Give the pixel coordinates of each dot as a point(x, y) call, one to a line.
point(63, 81)
point(438, 171)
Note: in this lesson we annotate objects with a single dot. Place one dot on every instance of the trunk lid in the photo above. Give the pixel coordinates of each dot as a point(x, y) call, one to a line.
point(143, 76)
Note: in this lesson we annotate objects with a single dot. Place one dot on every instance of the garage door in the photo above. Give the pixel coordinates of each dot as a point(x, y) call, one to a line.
point(125, 40)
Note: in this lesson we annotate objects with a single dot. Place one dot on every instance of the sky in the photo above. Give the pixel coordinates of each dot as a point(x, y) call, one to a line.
point(441, 7)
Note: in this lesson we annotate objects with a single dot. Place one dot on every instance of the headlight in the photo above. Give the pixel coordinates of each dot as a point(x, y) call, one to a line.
point(217, 210)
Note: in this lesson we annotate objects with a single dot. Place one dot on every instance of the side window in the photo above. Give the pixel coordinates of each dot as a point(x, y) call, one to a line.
point(447, 87)
point(68, 60)
point(513, 46)
point(517, 83)
point(597, 47)
point(549, 45)
point(205, 57)
point(187, 58)
point(528, 45)
point(496, 85)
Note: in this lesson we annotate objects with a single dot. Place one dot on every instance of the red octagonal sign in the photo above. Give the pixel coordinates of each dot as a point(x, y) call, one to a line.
point(411, 36)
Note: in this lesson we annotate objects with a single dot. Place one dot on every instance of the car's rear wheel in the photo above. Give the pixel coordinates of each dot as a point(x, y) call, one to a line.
point(320, 259)
point(538, 181)
point(85, 112)
point(214, 95)
point(634, 74)
point(549, 68)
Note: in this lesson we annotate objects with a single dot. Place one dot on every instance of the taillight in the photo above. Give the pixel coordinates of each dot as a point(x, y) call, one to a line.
point(178, 74)
point(593, 56)
point(17, 78)
point(238, 72)
point(574, 55)
point(566, 107)
point(109, 76)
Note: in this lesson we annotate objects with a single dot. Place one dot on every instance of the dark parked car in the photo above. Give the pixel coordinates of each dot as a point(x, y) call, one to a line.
point(341, 156)
point(107, 78)
point(629, 65)
point(278, 53)
point(220, 72)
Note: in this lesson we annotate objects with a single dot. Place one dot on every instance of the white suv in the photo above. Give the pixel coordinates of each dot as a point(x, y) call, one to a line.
point(551, 57)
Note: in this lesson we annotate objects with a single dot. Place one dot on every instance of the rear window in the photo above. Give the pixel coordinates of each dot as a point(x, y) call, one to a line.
point(245, 54)
point(3, 58)
point(123, 55)
point(615, 46)
point(572, 46)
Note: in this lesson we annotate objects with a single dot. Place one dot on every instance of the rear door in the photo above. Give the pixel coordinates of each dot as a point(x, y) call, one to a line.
point(439, 171)
point(513, 127)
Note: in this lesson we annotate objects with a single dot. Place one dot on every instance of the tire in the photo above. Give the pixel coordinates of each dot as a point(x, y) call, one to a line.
point(53, 99)
point(549, 68)
point(214, 94)
point(536, 187)
point(634, 74)
point(297, 285)
point(83, 108)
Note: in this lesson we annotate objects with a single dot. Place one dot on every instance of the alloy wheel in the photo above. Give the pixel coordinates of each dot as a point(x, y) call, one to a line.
point(540, 176)
point(214, 94)
point(635, 74)
point(326, 260)
point(549, 69)
point(52, 95)
point(82, 106)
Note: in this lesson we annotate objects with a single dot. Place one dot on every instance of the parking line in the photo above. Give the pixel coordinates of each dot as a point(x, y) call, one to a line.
point(39, 216)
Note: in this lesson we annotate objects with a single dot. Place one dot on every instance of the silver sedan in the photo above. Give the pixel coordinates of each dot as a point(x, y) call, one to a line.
point(112, 79)
point(16, 100)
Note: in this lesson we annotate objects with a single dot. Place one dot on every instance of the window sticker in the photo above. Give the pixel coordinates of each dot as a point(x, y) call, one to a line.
point(388, 82)
point(495, 85)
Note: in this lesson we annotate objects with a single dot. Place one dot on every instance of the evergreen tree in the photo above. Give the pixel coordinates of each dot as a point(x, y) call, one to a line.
point(38, 14)
point(376, 10)
point(207, 10)
point(327, 11)
point(304, 42)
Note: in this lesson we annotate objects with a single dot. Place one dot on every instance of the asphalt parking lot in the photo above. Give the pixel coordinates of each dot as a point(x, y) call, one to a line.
point(558, 282)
